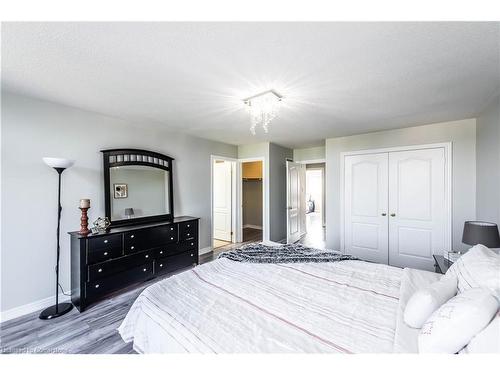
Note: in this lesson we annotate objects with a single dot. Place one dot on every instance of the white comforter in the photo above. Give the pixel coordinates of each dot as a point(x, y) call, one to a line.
point(231, 307)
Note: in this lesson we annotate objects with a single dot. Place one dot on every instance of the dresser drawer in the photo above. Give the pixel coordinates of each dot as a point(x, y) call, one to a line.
point(175, 248)
point(113, 241)
point(189, 245)
point(100, 255)
point(100, 270)
point(145, 239)
point(118, 281)
point(175, 262)
point(188, 230)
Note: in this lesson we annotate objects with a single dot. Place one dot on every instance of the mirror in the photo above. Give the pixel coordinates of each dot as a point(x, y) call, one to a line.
point(138, 191)
point(138, 186)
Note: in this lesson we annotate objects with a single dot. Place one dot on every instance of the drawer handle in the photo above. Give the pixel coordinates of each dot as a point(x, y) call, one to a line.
point(192, 254)
point(105, 241)
point(188, 225)
point(147, 256)
point(132, 247)
point(172, 228)
point(105, 253)
point(189, 234)
point(161, 264)
point(171, 238)
point(97, 286)
point(144, 269)
point(192, 243)
point(99, 270)
point(161, 252)
point(132, 236)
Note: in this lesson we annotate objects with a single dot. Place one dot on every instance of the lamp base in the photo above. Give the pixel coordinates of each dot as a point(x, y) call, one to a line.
point(50, 312)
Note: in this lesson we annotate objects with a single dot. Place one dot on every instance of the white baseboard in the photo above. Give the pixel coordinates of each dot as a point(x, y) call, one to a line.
point(31, 307)
point(252, 226)
point(205, 250)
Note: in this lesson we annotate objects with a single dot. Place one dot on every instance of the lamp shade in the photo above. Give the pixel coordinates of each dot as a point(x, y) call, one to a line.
point(58, 162)
point(481, 232)
point(129, 211)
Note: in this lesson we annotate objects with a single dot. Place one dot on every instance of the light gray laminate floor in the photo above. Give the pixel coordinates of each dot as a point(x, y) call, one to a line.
point(93, 331)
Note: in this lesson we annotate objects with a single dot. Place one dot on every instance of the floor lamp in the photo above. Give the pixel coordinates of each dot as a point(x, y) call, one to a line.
point(59, 308)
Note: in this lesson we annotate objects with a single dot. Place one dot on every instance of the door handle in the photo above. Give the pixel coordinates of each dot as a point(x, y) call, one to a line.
point(384, 214)
point(393, 215)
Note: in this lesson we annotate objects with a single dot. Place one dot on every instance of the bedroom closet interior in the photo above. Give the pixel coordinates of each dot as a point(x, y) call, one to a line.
point(252, 200)
point(396, 207)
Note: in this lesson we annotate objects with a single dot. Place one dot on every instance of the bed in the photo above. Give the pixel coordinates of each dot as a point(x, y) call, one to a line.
point(233, 307)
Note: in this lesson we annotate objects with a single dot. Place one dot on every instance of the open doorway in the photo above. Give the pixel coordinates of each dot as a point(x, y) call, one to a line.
point(223, 201)
point(252, 201)
point(315, 205)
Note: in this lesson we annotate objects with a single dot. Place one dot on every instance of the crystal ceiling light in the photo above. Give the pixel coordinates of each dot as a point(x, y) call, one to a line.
point(263, 108)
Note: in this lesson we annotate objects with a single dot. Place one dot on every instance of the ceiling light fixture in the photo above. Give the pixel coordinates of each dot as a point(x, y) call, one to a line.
point(263, 108)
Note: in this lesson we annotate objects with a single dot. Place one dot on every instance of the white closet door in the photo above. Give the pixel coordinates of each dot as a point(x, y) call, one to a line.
point(417, 207)
point(366, 201)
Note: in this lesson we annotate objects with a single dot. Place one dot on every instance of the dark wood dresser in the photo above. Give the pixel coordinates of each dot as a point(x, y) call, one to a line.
point(106, 262)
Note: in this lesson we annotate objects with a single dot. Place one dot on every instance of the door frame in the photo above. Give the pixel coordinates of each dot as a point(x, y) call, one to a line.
point(448, 150)
point(234, 193)
point(265, 199)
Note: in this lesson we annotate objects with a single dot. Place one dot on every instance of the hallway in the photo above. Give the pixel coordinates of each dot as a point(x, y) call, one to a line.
point(315, 236)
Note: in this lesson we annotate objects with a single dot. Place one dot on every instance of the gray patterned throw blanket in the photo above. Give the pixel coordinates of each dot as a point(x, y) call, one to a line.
point(289, 253)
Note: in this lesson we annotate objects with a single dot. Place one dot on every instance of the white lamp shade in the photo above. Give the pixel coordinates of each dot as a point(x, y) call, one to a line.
point(58, 162)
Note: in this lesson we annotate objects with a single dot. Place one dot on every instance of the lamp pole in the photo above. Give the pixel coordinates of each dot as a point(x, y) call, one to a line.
point(59, 308)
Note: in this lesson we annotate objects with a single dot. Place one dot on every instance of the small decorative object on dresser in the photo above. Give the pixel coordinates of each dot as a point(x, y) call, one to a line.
point(60, 165)
point(150, 242)
point(102, 224)
point(84, 219)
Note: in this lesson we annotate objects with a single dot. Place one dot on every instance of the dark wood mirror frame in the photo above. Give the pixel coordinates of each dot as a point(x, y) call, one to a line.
point(129, 156)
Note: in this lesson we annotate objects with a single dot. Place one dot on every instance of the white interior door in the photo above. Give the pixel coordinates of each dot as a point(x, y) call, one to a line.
point(417, 207)
point(294, 197)
point(365, 207)
point(222, 199)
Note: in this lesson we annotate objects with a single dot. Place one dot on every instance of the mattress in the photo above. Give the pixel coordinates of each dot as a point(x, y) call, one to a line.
point(232, 307)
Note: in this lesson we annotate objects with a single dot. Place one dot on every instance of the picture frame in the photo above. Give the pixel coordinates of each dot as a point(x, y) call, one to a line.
point(120, 191)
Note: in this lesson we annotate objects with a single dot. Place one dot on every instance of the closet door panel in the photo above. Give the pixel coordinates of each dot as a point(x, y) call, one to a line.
point(417, 207)
point(365, 207)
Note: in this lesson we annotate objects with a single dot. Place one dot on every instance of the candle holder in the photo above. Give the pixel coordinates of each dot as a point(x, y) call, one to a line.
point(84, 222)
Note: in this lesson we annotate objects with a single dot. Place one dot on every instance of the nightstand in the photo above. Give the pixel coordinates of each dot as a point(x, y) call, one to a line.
point(441, 264)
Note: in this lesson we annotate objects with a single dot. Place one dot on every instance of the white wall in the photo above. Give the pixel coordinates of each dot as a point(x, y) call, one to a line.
point(32, 129)
point(488, 163)
point(462, 134)
point(311, 153)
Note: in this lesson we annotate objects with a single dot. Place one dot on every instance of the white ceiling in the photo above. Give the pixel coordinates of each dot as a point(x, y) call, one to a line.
point(337, 78)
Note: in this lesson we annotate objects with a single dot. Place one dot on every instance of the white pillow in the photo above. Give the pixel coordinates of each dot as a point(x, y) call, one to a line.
point(477, 268)
point(486, 341)
point(425, 301)
point(455, 323)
